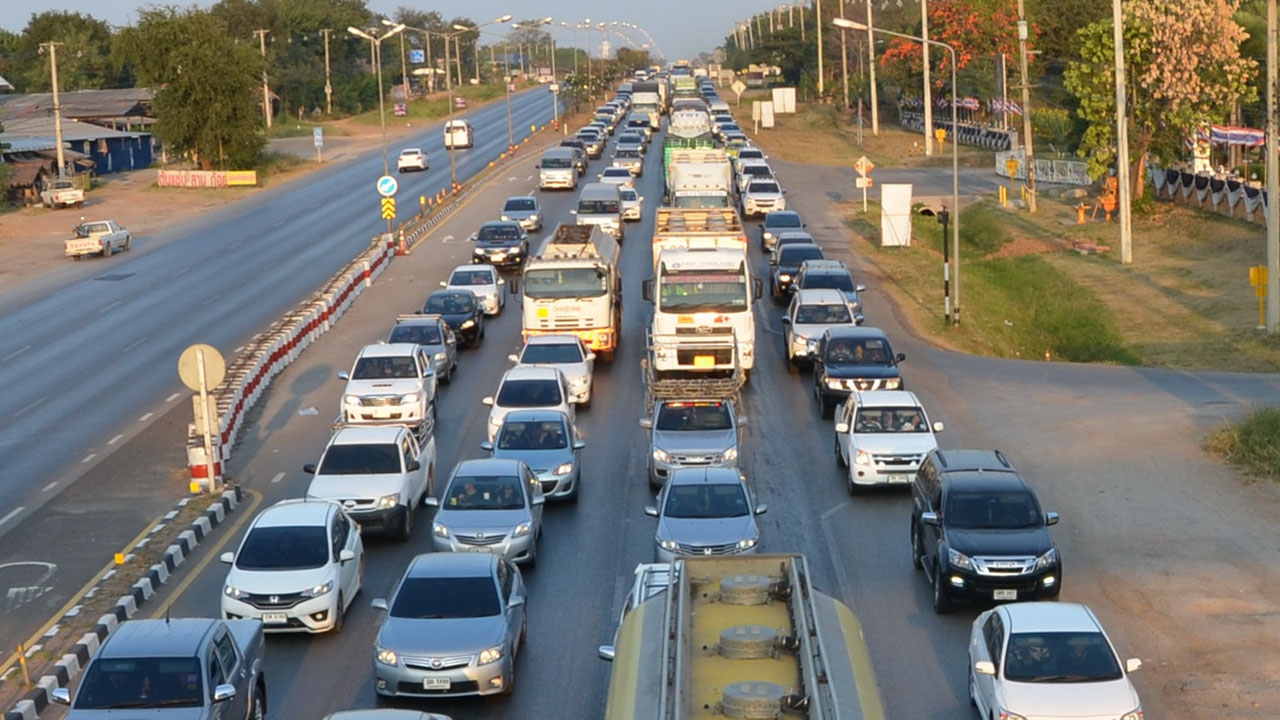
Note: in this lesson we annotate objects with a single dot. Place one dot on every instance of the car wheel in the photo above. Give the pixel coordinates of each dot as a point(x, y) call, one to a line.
point(431, 487)
point(106, 250)
point(406, 525)
point(128, 244)
point(585, 404)
point(532, 562)
point(259, 710)
point(941, 603)
point(917, 552)
point(577, 489)
point(840, 461)
point(854, 488)
point(828, 409)
point(340, 614)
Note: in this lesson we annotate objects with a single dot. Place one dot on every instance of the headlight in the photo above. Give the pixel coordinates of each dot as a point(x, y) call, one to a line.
point(389, 501)
point(1006, 715)
point(729, 455)
point(748, 543)
point(492, 655)
point(661, 455)
point(495, 422)
point(835, 383)
point(768, 235)
point(351, 399)
point(440, 530)
point(783, 277)
point(479, 251)
point(505, 218)
point(579, 380)
point(533, 218)
point(515, 251)
point(318, 590)
point(1134, 714)
point(893, 383)
point(385, 656)
point(411, 399)
point(669, 545)
point(959, 559)
point(521, 530)
point(1047, 560)
point(564, 469)
point(234, 593)
point(862, 458)
point(440, 356)
point(812, 345)
point(467, 324)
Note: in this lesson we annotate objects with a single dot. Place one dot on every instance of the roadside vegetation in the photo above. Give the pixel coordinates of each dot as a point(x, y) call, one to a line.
point(1251, 445)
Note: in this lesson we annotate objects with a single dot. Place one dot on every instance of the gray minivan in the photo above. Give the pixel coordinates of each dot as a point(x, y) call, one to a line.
point(558, 169)
point(601, 204)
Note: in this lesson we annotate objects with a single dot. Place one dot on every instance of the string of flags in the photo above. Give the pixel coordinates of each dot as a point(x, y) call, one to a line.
point(1002, 107)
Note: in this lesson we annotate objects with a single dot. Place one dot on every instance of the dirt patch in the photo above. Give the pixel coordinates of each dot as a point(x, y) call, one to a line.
point(1029, 246)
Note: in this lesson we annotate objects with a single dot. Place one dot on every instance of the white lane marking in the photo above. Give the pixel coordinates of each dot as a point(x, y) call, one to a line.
point(273, 227)
point(448, 239)
point(89, 458)
point(530, 178)
point(16, 353)
point(11, 514)
point(180, 272)
point(277, 478)
point(173, 397)
point(108, 307)
point(135, 345)
point(146, 417)
point(50, 486)
point(24, 410)
point(115, 439)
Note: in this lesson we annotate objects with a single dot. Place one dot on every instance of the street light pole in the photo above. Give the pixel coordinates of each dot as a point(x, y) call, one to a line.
point(871, 66)
point(375, 43)
point(928, 84)
point(951, 305)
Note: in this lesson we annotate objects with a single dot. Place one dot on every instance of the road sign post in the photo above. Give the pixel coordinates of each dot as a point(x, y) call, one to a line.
point(864, 166)
point(201, 367)
point(318, 134)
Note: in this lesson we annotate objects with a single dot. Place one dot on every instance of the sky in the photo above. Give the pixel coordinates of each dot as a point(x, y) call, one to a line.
point(680, 28)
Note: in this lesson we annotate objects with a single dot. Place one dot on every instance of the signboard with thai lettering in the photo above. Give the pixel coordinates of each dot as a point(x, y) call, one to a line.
point(206, 178)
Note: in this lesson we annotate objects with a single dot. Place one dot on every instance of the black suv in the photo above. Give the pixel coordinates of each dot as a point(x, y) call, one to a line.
point(978, 532)
point(784, 263)
point(852, 358)
point(463, 312)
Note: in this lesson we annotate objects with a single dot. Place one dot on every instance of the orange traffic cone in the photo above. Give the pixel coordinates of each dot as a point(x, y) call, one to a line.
point(402, 248)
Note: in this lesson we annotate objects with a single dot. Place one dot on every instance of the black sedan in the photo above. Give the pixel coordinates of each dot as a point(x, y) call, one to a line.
point(502, 243)
point(784, 265)
point(462, 310)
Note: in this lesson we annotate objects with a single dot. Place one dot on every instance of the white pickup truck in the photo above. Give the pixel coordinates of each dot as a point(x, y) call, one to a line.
point(62, 192)
point(100, 237)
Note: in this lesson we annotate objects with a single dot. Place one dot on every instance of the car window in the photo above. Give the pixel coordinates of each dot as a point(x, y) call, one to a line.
point(533, 435)
point(446, 597)
point(829, 280)
point(630, 195)
point(796, 254)
point(360, 459)
point(763, 187)
point(991, 510)
point(141, 682)
point(471, 277)
point(694, 416)
point(380, 368)
point(890, 420)
point(284, 548)
point(822, 314)
point(529, 393)
point(517, 204)
point(485, 493)
point(450, 303)
point(852, 351)
point(993, 638)
point(420, 334)
point(498, 232)
point(337, 536)
point(1060, 657)
point(706, 501)
point(549, 353)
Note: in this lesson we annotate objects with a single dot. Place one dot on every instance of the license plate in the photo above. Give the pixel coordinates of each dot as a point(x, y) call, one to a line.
point(381, 413)
point(436, 683)
point(274, 618)
point(900, 478)
point(474, 548)
point(499, 257)
point(1005, 595)
point(704, 361)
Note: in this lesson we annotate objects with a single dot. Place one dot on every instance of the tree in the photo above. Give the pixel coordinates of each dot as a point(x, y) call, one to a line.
point(207, 101)
point(1183, 68)
point(84, 59)
point(975, 29)
point(1056, 23)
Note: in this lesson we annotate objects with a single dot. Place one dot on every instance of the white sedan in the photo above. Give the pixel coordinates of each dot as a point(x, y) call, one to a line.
point(1048, 660)
point(614, 175)
point(412, 159)
point(632, 203)
point(565, 353)
point(483, 280)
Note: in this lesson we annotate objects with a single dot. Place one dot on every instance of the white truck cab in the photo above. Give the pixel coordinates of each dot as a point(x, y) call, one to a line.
point(390, 383)
point(882, 436)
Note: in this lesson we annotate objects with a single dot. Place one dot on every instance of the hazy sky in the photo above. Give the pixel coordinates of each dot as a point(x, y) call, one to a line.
point(681, 28)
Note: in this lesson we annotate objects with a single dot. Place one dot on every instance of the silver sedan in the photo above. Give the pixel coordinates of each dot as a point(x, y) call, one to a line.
point(705, 511)
point(548, 442)
point(490, 505)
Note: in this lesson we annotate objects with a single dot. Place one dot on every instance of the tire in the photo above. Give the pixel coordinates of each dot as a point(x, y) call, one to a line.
point(828, 410)
point(577, 490)
point(532, 562)
point(917, 556)
point(448, 376)
point(840, 461)
point(339, 618)
point(128, 244)
point(607, 355)
point(854, 488)
point(941, 603)
point(405, 531)
point(973, 688)
point(107, 251)
point(258, 710)
point(585, 404)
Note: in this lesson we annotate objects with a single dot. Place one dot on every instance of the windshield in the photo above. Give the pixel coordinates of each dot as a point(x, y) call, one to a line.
point(450, 304)
point(858, 351)
point(1060, 657)
point(992, 510)
point(764, 187)
point(552, 163)
point(489, 492)
point(437, 598)
point(629, 196)
point(360, 459)
point(472, 277)
point(529, 393)
point(794, 255)
point(284, 548)
point(503, 232)
point(702, 292)
point(822, 314)
point(420, 334)
point(547, 353)
point(384, 368)
point(706, 501)
point(599, 207)
point(781, 221)
point(144, 682)
point(694, 416)
point(551, 284)
point(890, 420)
point(533, 435)
point(701, 201)
point(745, 154)
point(628, 153)
point(833, 281)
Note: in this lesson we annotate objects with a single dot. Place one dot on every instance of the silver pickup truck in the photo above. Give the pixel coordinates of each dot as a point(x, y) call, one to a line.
point(100, 237)
point(62, 192)
point(192, 669)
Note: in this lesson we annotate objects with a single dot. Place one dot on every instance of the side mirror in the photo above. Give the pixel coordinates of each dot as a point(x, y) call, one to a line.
point(1130, 665)
point(573, 212)
point(486, 445)
point(860, 288)
point(413, 466)
point(227, 557)
point(473, 237)
point(786, 320)
point(344, 375)
point(605, 652)
point(646, 290)
point(515, 602)
point(1051, 518)
point(937, 427)
point(538, 499)
point(62, 696)
point(646, 423)
point(514, 358)
point(501, 281)
point(444, 284)
point(309, 468)
point(929, 518)
point(743, 421)
point(378, 603)
point(900, 357)
point(590, 357)
point(346, 556)
point(984, 667)
point(223, 693)
point(651, 511)
point(641, 198)
point(430, 501)
point(487, 401)
point(579, 444)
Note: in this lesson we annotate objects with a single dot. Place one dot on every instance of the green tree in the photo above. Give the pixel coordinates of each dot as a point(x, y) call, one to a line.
point(84, 58)
point(207, 101)
point(1183, 68)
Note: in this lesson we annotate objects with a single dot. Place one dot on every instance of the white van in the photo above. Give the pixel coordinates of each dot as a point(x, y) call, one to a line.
point(459, 134)
point(601, 204)
point(558, 169)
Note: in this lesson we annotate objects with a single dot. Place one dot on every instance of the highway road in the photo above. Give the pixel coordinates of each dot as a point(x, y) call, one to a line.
point(1153, 531)
point(87, 355)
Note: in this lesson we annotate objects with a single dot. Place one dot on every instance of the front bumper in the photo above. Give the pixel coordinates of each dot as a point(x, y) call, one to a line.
point(567, 181)
point(411, 676)
point(408, 414)
point(516, 549)
point(968, 586)
point(379, 521)
point(558, 487)
point(663, 555)
point(288, 614)
point(512, 257)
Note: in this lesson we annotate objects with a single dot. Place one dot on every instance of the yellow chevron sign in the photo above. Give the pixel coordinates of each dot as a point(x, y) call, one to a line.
point(388, 208)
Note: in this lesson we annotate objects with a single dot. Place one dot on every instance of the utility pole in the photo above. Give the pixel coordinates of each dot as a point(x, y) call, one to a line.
point(448, 72)
point(822, 90)
point(871, 66)
point(266, 91)
point(328, 86)
point(844, 59)
point(1273, 179)
point(404, 70)
point(928, 85)
point(1026, 110)
point(57, 105)
point(1122, 138)
point(457, 56)
point(431, 65)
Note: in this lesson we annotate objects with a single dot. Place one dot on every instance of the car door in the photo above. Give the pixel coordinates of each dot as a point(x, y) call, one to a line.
point(534, 498)
point(345, 538)
point(450, 344)
point(227, 667)
point(844, 418)
point(988, 644)
point(933, 534)
point(511, 586)
point(426, 371)
point(417, 479)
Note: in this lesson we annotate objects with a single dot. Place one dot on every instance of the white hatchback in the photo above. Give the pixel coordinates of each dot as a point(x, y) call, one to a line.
point(632, 203)
point(616, 176)
point(483, 280)
point(565, 353)
point(525, 388)
point(297, 569)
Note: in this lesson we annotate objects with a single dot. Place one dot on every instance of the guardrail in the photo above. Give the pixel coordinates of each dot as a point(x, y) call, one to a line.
point(1061, 172)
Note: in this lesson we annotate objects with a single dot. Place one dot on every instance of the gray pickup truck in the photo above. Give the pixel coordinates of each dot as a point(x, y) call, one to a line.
point(193, 669)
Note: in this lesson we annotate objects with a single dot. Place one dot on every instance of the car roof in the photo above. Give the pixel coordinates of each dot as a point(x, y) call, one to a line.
point(421, 319)
point(177, 637)
point(461, 564)
point(406, 151)
point(789, 234)
point(366, 434)
point(531, 372)
point(295, 512)
point(487, 466)
point(522, 197)
point(886, 398)
point(1029, 617)
point(820, 296)
point(552, 339)
point(388, 350)
point(824, 265)
point(779, 214)
point(503, 223)
point(859, 332)
point(968, 460)
point(705, 476)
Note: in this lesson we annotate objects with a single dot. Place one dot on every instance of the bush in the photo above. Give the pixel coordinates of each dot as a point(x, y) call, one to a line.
point(982, 228)
point(1253, 445)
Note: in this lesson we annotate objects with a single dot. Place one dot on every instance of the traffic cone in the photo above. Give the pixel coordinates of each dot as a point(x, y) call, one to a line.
point(402, 248)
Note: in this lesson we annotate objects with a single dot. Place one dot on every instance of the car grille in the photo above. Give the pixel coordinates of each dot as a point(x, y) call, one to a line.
point(897, 463)
point(694, 459)
point(273, 602)
point(1004, 566)
point(418, 662)
point(379, 400)
point(549, 485)
point(557, 323)
point(458, 688)
point(480, 540)
point(864, 383)
point(726, 549)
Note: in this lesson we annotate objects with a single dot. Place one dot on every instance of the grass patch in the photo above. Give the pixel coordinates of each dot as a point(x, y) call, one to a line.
point(276, 164)
point(1252, 445)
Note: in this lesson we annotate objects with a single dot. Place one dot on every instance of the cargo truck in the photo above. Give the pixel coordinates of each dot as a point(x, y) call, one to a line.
point(699, 178)
point(684, 228)
point(573, 284)
point(647, 98)
point(737, 637)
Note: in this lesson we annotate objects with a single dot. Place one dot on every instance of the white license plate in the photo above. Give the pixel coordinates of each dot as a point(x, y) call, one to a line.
point(499, 257)
point(473, 548)
point(899, 478)
point(436, 683)
point(381, 413)
point(1004, 595)
point(274, 618)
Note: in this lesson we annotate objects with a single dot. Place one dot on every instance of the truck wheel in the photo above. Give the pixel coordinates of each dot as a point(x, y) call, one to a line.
point(917, 552)
point(106, 250)
point(854, 488)
point(406, 525)
point(607, 355)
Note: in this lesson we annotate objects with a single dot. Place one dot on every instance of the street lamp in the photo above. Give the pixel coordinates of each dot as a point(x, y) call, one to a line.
point(555, 101)
point(575, 29)
point(506, 82)
point(375, 43)
point(951, 272)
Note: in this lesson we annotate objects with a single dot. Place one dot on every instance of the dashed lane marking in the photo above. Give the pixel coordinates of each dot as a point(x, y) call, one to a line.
point(17, 352)
point(115, 440)
point(278, 477)
point(108, 307)
point(89, 458)
point(173, 397)
point(11, 515)
point(32, 406)
point(146, 417)
point(50, 486)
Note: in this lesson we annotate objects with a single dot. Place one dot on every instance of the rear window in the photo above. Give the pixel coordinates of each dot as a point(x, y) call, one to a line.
point(822, 314)
point(520, 203)
point(360, 459)
point(420, 334)
point(141, 682)
point(798, 253)
point(539, 353)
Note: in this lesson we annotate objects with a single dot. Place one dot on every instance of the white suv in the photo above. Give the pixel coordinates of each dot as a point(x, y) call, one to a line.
point(390, 383)
point(380, 474)
point(484, 281)
point(412, 159)
point(526, 387)
point(882, 436)
point(298, 568)
point(761, 197)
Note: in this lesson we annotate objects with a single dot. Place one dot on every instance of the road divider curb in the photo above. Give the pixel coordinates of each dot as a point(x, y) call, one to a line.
point(66, 669)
